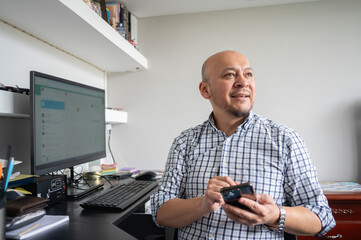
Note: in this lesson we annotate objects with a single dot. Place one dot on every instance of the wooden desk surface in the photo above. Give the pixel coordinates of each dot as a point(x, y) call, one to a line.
point(89, 224)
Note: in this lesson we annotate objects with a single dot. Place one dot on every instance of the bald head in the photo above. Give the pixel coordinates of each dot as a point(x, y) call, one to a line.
point(215, 59)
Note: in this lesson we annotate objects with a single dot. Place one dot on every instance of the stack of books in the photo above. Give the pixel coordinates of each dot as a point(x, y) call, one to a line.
point(118, 16)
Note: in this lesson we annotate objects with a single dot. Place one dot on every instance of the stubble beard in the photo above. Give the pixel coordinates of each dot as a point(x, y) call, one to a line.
point(234, 111)
point(239, 113)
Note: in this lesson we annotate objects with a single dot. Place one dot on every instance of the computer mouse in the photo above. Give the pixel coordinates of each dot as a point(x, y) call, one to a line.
point(147, 175)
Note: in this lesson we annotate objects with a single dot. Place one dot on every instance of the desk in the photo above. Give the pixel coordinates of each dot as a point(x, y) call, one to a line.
point(89, 224)
point(346, 209)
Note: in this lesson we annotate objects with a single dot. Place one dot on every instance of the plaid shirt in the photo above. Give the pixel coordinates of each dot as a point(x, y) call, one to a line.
point(272, 157)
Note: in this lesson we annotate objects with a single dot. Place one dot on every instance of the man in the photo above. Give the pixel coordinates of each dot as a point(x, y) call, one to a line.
point(236, 146)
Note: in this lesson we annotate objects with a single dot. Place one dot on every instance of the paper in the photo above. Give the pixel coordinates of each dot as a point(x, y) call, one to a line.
point(21, 191)
point(14, 175)
point(4, 162)
point(22, 176)
point(45, 223)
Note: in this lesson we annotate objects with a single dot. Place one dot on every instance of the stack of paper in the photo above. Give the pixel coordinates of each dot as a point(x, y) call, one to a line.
point(108, 169)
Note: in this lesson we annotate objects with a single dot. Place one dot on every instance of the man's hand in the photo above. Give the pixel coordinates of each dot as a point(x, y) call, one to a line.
point(212, 198)
point(179, 213)
point(263, 211)
point(182, 212)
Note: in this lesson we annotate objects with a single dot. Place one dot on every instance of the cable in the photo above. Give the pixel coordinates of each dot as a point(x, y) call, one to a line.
point(101, 176)
point(110, 149)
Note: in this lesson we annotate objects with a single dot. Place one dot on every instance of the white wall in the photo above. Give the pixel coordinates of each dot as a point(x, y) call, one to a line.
point(307, 67)
point(19, 54)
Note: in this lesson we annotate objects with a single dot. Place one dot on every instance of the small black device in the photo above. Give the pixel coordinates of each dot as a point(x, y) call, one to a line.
point(233, 193)
point(147, 175)
point(53, 188)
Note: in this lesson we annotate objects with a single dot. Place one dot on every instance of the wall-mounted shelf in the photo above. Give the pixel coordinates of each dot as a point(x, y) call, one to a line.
point(115, 117)
point(75, 28)
point(14, 105)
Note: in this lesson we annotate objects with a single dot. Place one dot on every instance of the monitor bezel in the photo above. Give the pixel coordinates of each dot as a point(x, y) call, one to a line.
point(65, 163)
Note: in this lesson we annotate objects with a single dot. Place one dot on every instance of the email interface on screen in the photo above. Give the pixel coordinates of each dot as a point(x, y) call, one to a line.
point(69, 121)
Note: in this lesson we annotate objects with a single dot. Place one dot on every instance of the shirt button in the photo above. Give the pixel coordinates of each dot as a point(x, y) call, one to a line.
point(225, 164)
point(211, 235)
point(228, 139)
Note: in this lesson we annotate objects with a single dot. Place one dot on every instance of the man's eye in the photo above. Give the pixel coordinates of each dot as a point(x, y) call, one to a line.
point(229, 75)
point(249, 74)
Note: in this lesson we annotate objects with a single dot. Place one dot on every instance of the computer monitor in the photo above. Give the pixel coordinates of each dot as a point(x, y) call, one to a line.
point(67, 123)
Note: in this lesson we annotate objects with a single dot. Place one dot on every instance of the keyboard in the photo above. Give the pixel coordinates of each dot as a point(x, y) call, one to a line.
point(122, 196)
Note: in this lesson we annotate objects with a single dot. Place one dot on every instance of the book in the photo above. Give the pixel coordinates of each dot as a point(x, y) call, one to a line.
point(133, 24)
point(114, 13)
point(41, 225)
point(114, 10)
point(3, 162)
point(96, 8)
point(124, 20)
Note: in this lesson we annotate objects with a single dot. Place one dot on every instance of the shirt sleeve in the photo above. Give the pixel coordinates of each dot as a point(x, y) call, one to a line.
point(172, 184)
point(301, 183)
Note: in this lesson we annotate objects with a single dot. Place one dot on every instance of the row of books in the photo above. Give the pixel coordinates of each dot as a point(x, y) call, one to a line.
point(117, 15)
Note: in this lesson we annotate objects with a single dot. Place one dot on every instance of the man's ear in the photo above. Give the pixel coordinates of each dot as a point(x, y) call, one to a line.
point(203, 89)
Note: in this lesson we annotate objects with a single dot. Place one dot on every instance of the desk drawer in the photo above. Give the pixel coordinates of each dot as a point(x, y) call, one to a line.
point(345, 231)
point(346, 211)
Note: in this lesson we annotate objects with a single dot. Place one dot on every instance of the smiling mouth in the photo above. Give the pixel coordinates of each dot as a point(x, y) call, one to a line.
point(240, 95)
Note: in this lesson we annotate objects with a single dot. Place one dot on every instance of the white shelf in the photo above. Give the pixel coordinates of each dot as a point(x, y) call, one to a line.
point(17, 105)
point(74, 27)
point(115, 117)
point(14, 105)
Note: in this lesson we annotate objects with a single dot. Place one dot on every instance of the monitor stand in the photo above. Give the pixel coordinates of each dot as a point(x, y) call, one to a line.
point(76, 192)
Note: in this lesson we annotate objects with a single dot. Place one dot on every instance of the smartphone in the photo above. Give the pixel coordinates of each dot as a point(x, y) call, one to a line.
point(233, 193)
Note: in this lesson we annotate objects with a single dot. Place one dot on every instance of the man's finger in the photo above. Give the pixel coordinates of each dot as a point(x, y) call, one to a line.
point(251, 204)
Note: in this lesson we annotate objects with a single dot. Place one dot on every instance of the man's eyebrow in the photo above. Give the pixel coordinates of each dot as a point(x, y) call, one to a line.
point(229, 69)
point(235, 69)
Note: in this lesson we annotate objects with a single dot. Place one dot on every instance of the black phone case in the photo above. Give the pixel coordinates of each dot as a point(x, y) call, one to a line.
point(233, 193)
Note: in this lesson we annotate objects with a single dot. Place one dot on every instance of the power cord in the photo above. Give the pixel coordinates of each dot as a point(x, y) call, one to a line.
point(110, 149)
point(109, 127)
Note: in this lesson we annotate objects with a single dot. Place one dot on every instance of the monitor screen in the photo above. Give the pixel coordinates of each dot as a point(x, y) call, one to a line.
point(67, 123)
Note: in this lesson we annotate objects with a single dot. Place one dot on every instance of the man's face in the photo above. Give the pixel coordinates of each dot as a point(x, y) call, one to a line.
point(231, 86)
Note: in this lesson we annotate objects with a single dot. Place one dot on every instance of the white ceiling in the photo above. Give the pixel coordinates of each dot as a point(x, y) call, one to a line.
point(151, 8)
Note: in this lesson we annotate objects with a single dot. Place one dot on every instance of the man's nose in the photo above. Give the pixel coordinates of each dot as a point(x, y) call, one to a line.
point(241, 81)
